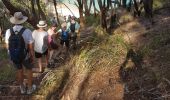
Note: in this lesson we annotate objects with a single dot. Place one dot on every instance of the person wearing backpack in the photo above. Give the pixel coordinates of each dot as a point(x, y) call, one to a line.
point(73, 27)
point(19, 43)
point(40, 37)
point(64, 36)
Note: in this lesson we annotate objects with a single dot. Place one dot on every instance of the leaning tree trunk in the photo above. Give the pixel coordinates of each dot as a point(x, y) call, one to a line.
point(103, 10)
point(55, 4)
point(82, 21)
point(86, 8)
point(41, 13)
point(136, 11)
point(33, 9)
point(13, 9)
point(103, 18)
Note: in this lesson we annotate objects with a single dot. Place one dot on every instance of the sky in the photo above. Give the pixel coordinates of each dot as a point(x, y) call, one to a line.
point(71, 5)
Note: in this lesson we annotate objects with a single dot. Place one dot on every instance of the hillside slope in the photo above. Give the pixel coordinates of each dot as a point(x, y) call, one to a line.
point(135, 68)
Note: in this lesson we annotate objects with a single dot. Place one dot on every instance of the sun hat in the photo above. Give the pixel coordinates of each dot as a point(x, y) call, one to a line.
point(18, 18)
point(41, 23)
point(63, 24)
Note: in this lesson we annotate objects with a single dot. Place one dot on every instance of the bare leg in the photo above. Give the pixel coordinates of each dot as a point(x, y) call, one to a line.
point(39, 64)
point(50, 54)
point(47, 58)
point(29, 76)
point(20, 77)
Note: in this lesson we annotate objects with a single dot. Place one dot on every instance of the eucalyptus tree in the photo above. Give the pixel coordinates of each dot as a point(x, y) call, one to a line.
point(104, 6)
point(80, 6)
point(28, 9)
point(55, 4)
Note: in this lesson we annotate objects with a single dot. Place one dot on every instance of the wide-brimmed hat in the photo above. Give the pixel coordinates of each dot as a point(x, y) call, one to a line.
point(18, 18)
point(63, 25)
point(42, 23)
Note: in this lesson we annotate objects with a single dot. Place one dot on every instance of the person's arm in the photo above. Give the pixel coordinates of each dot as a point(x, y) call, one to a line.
point(77, 27)
point(7, 35)
point(30, 44)
point(31, 51)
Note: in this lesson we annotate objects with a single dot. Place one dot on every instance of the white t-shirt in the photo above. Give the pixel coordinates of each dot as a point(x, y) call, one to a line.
point(40, 41)
point(27, 34)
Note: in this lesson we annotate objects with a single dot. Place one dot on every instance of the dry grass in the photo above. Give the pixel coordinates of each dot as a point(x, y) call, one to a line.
point(50, 83)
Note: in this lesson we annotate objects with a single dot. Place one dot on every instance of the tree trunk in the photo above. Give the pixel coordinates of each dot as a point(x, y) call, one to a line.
point(40, 11)
point(103, 8)
point(33, 9)
point(91, 1)
point(55, 4)
point(82, 21)
point(136, 9)
point(103, 18)
point(13, 9)
point(87, 11)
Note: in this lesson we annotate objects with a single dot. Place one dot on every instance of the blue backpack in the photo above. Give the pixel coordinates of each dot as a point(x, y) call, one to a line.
point(65, 35)
point(17, 49)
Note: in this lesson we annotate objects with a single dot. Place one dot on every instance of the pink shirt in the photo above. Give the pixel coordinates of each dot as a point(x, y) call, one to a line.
point(50, 33)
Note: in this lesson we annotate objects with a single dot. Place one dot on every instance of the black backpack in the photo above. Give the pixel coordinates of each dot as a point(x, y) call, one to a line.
point(72, 27)
point(17, 47)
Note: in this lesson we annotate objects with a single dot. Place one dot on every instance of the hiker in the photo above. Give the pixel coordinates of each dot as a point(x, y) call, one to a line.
point(69, 18)
point(40, 37)
point(19, 43)
point(52, 37)
point(73, 27)
point(65, 19)
point(54, 21)
point(64, 36)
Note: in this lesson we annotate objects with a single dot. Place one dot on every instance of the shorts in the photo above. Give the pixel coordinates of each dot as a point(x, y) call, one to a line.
point(39, 55)
point(26, 63)
point(66, 43)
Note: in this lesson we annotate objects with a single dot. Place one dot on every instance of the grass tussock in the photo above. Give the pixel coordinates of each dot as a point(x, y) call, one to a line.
point(51, 82)
point(105, 51)
point(160, 3)
point(7, 73)
point(3, 54)
point(92, 20)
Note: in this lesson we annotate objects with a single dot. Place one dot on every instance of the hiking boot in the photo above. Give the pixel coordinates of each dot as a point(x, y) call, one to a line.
point(22, 89)
point(31, 90)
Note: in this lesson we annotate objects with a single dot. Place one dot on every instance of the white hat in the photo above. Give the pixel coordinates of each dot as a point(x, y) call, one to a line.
point(64, 25)
point(18, 18)
point(41, 24)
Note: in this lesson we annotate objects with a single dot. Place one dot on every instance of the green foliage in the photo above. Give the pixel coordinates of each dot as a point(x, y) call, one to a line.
point(3, 54)
point(92, 20)
point(160, 3)
point(7, 72)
